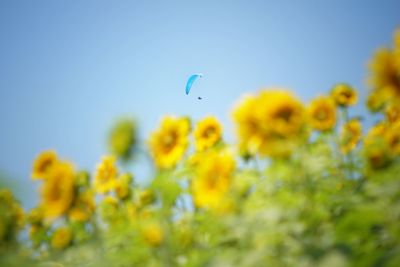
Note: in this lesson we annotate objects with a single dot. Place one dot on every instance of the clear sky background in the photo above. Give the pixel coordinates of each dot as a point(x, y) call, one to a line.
point(68, 69)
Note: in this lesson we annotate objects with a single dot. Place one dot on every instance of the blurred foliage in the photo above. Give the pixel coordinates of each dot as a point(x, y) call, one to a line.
point(303, 186)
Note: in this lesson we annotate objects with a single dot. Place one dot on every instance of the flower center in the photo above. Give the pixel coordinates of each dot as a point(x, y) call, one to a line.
point(284, 113)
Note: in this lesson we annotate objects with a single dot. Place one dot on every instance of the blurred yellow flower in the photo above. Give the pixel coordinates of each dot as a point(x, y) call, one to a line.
point(385, 75)
point(57, 192)
point(281, 114)
point(213, 179)
point(376, 131)
point(269, 123)
point(153, 234)
point(322, 114)
point(377, 99)
point(248, 125)
point(61, 238)
point(350, 135)
point(392, 113)
point(207, 133)
point(43, 163)
point(106, 174)
point(344, 95)
point(83, 207)
point(122, 186)
point(392, 137)
point(122, 138)
point(169, 143)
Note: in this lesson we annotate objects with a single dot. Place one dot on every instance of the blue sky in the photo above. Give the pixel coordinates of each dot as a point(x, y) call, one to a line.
point(68, 69)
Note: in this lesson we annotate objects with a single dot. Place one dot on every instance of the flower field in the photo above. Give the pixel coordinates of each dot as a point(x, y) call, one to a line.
point(303, 185)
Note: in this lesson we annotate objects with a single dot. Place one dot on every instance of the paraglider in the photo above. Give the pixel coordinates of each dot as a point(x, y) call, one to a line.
point(191, 80)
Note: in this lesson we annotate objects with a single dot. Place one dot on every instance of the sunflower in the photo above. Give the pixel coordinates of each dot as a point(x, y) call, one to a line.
point(322, 114)
point(213, 179)
point(377, 100)
point(43, 163)
point(392, 137)
point(385, 74)
point(122, 186)
point(207, 133)
point(392, 113)
point(58, 190)
point(282, 115)
point(61, 238)
point(169, 143)
point(106, 174)
point(269, 123)
point(350, 135)
point(344, 95)
point(153, 233)
point(248, 125)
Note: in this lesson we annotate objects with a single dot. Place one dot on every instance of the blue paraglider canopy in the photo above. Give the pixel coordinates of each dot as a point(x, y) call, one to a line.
point(191, 80)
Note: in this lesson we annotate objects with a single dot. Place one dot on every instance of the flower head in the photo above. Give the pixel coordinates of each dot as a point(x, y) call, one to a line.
point(350, 135)
point(43, 163)
point(392, 137)
point(270, 123)
point(207, 133)
point(58, 190)
point(344, 95)
point(213, 179)
point(322, 114)
point(61, 238)
point(153, 234)
point(106, 173)
point(169, 143)
point(385, 74)
point(122, 186)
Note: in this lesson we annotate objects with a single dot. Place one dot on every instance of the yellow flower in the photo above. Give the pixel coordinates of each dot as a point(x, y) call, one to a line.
point(122, 138)
point(153, 234)
point(377, 99)
point(83, 207)
point(350, 135)
point(344, 95)
point(392, 137)
point(248, 125)
point(207, 133)
point(270, 123)
point(122, 186)
point(322, 114)
point(169, 143)
point(393, 113)
point(61, 238)
point(376, 131)
point(282, 115)
point(58, 190)
point(106, 174)
point(385, 75)
point(376, 152)
point(43, 163)
point(213, 179)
